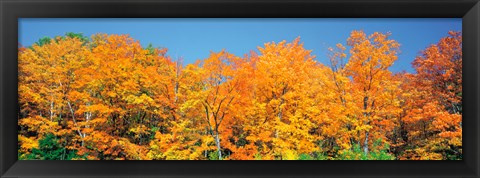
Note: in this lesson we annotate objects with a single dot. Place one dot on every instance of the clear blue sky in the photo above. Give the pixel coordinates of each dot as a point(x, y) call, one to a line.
point(193, 39)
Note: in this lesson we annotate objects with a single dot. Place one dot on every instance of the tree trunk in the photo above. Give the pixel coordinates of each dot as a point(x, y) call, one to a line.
point(366, 115)
point(217, 140)
point(75, 122)
point(365, 144)
point(51, 110)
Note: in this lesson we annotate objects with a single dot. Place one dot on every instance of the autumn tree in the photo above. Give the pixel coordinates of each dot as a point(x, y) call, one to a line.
point(342, 107)
point(46, 74)
point(373, 86)
point(433, 112)
point(219, 91)
point(287, 101)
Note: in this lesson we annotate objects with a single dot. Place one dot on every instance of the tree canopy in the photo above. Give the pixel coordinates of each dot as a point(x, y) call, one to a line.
point(106, 97)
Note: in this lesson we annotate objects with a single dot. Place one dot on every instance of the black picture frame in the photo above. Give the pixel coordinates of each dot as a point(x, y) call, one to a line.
point(11, 10)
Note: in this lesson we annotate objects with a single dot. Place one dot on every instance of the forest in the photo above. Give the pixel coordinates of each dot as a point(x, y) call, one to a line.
point(107, 97)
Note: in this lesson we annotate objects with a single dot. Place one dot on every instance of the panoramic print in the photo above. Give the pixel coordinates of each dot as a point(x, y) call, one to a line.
point(240, 89)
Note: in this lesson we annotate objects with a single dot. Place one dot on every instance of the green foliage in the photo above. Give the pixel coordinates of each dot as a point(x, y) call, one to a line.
point(356, 153)
point(43, 41)
point(152, 131)
point(453, 156)
point(77, 35)
point(151, 49)
point(213, 155)
point(321, 156)
point(381, 155)
point(50, 149)
point(48, 40)
point(451, 152)
point(304, 156)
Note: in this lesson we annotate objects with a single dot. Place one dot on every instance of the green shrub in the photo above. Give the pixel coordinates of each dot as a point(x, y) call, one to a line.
point(50, 149)
point(304, 156)
point(213, 155)
point(377, 153)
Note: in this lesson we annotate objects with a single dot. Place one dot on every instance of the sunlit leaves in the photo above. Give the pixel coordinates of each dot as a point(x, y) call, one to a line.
point(107, 97)
point(433, 105)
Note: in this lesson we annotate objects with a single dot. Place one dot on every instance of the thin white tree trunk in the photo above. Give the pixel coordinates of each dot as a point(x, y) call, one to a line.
point(73, 116)
point(75, 122)
point(51, 110)
point(365, 144)
point(217, 140)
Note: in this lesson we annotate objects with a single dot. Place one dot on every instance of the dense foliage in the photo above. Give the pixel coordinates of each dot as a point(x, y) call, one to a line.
point(108, 98)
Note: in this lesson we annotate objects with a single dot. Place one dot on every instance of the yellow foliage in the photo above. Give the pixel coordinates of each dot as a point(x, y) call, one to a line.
point(110, 98)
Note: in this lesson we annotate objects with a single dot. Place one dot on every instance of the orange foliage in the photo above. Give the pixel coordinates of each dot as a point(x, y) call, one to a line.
point(110, 98)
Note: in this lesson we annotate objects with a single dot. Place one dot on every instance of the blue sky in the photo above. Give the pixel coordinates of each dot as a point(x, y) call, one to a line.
point(193, 39)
